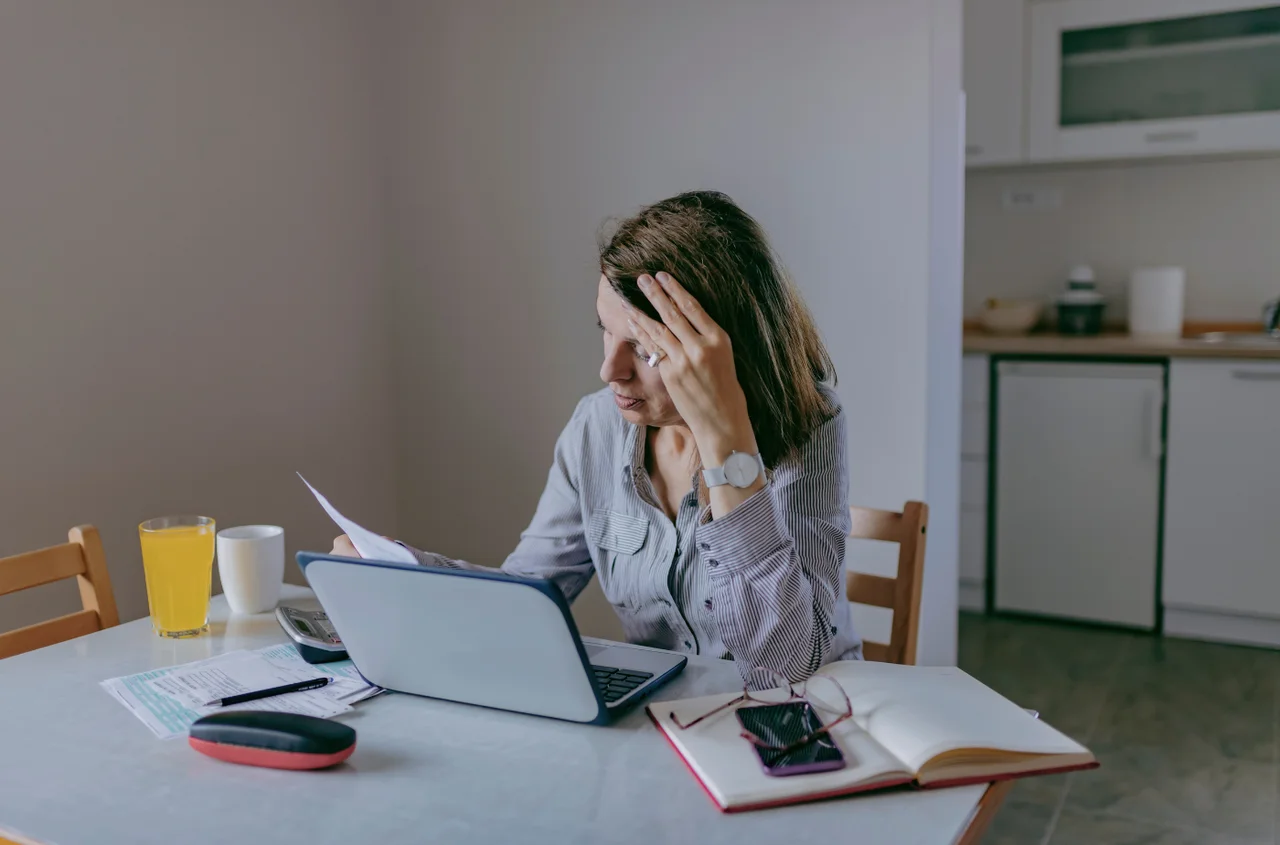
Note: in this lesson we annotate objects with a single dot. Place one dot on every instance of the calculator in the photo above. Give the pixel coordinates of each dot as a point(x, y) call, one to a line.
point(312, 634)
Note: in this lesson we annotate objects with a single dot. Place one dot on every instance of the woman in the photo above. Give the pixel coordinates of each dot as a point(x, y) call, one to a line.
point(715, 372)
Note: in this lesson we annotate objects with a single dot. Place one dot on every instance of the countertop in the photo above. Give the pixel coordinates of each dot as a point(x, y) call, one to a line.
point(1108, 343)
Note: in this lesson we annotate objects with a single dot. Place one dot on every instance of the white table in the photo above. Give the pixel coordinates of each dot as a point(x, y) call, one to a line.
point(76, 768)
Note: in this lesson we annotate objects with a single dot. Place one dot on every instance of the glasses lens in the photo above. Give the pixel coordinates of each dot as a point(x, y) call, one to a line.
point(827, 696)
point(766, 685)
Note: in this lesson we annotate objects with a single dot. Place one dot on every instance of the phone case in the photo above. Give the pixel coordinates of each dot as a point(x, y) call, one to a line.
point(797, 768)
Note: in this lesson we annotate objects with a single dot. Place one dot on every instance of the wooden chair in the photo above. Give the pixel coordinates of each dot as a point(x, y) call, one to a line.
point(81, 557)
point(900, 594)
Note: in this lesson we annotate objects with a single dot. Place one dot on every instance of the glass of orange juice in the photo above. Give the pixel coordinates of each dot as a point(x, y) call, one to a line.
point(177, 557)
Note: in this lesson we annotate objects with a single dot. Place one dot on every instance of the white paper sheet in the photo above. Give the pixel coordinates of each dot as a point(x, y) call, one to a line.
point(166, 700)
point(286, 655)
point(165, 717)
point(194, 686)
point(370, 545)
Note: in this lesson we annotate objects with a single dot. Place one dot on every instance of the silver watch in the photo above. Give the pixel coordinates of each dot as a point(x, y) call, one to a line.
point(739, 470)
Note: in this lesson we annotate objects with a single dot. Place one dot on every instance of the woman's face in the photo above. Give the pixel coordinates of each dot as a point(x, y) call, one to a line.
point(637, 388)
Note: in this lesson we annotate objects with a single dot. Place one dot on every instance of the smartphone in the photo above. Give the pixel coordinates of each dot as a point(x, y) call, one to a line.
point(783, 724)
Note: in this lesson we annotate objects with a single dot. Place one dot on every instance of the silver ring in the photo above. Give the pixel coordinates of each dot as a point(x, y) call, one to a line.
point(657, 356)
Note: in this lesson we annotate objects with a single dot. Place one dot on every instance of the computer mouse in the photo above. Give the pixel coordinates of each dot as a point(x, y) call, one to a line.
point(271, 739)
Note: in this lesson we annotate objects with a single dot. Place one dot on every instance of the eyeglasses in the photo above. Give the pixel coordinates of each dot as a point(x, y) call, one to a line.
point(822, 693)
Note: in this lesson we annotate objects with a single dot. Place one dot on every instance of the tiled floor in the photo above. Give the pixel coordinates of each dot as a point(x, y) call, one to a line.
point(1186, 733)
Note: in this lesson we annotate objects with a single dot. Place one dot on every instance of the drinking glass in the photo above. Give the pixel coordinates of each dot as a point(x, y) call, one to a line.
point(177, 557)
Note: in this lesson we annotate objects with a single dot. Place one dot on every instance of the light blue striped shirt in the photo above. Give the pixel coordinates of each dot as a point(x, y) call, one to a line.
point(764, 585)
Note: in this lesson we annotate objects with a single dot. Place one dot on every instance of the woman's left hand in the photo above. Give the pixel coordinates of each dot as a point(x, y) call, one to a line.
point(695, 359)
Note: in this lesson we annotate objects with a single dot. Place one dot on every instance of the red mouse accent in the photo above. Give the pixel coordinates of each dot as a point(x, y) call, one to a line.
point(248, 756)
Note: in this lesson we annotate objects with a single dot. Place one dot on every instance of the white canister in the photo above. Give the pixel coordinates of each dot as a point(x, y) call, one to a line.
point(1155, 302)
point(251, 566)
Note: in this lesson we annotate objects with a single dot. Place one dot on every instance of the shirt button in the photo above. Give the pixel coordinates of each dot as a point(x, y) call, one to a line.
point(833, 630)
point(688, 644)
point(707, 605)
point(713, 562)
point(706, 547)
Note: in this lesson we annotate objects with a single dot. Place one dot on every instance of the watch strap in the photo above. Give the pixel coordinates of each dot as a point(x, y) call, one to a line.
point(714, 476)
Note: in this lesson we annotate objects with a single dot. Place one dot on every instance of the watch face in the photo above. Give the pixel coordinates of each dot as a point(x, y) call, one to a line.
point(740, 470)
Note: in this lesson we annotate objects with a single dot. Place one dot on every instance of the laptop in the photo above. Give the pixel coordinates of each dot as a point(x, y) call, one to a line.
point(480, 637)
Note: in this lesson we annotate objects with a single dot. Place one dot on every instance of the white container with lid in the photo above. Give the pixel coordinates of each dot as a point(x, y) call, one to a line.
point(1156, 297)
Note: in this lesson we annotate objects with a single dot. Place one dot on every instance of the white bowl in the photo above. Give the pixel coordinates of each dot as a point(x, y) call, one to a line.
point(1010, 316)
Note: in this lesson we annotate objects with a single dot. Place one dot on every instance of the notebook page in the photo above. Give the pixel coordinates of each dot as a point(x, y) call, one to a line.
point(918, 712)
point(731, 772)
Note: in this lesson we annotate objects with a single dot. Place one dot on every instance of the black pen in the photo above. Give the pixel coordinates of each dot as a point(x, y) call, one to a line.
point(299, 686)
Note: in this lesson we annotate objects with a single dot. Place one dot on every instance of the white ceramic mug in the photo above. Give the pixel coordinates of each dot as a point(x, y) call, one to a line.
point(251, 565)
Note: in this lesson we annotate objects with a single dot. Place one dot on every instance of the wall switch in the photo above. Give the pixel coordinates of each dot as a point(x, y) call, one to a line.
point(1032, 199)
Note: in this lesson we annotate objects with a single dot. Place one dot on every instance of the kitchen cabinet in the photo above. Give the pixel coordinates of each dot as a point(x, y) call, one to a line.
point(1222, 501)
point(994, 81)
point(1077, 490)
point(1138, 78)
point(973, 481)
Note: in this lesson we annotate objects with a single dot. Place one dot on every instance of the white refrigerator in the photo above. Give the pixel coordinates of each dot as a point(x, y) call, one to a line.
point(1079, 449)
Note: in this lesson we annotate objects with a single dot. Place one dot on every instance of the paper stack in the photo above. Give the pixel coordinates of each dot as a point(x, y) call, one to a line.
point(168, 700)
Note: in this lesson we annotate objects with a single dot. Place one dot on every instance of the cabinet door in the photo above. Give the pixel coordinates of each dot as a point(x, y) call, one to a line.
point(1135, 78)
point(994, 79)
point(1222, 490)
point(1078, 490)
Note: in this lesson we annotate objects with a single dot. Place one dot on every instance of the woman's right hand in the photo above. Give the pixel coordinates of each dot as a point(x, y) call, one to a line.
point(343, 547)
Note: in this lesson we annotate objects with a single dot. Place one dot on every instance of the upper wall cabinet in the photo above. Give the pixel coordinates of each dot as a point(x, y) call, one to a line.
point(994, 81)
point(1137, 78)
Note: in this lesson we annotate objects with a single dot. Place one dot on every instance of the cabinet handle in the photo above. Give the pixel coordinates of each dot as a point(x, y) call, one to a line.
point(1175, 135)
point(1256, 375)
point(1155, 424)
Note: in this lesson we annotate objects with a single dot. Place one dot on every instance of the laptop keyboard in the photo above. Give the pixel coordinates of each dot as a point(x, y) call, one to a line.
point(615, 683)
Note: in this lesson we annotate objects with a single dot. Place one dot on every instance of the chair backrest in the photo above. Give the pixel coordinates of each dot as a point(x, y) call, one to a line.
point(82, 558)
point(900, 594)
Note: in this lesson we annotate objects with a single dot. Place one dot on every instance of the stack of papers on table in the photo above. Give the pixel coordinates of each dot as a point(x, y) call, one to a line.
point(168, 700)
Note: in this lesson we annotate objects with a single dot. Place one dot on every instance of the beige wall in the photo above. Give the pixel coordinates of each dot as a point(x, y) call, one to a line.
point(522, 126)
point(1215, 218)
point(192, 283)
point(229, 188)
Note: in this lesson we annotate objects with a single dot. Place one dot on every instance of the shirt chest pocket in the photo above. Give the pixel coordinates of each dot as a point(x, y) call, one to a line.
point(617, 532)
point(620, 537)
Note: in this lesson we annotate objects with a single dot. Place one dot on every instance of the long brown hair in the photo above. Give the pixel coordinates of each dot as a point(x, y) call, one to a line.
point(721, 256)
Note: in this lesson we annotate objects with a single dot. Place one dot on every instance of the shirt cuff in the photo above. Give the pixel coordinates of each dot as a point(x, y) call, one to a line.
point(747, 535)
point(427, 558)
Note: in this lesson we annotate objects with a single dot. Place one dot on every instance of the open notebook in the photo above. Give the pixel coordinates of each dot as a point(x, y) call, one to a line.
point(931, 726)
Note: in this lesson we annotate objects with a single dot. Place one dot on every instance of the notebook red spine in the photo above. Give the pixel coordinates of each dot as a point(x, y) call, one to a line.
point(781, 802)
